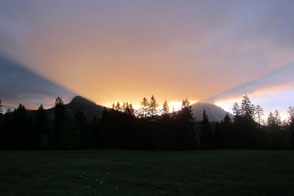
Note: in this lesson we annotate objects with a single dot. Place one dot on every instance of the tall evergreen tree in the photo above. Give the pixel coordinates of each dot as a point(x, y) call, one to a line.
point(21, 135)
point(236, 110)
point(59, 120)
point(165, 108)
point(1, 121)
point(247, 108)
point(117, 107)
point(144, 108)
point(152, 110)
point(206, 135)
point(185, 128)
point(42, 126)
point(1, 110)
point(291, 126)
point(259, 113)
point(223, 135)
point(246, 133)
point(278, 136)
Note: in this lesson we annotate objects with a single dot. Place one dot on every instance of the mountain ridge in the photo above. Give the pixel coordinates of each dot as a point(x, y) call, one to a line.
point(214, 112)
point(91, 109)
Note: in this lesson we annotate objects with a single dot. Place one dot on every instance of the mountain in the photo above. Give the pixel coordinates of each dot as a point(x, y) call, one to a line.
point(214, 113)
point(82, 104)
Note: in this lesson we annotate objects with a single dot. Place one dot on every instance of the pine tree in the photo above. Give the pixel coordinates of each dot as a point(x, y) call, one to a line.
point(165, 108)
point(236, 110)
point(117, 107)
point(130, 110)
point(206, 136)
point(278, 137)
point(223, 135)
point(259, 113)
point(185, 121)
point(42, 126)
point(144, 108)
point(60, 119)
point(246, 131)
point(247, 108)
point(152, 106)
point(291, 126)
point(1, 110)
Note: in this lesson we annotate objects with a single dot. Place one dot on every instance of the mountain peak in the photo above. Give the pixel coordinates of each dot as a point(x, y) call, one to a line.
point(79, 103)
point(214, 112)
point(79, 99)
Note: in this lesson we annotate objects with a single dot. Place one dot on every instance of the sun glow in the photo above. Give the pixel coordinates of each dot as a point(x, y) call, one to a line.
point(173, 105)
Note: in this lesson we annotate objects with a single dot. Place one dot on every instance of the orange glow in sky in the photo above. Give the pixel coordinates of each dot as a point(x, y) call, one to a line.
point(110, 51)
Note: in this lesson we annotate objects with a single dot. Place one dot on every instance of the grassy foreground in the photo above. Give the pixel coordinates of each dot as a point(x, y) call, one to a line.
point(121, 172)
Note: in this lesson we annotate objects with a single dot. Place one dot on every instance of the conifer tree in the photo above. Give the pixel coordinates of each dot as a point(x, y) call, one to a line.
point(1, 110)
point(206, 136)
point(152, 106)
point(186, 126)
point(117, 107)
point(144, 108)
point(291, 126)
point(42, 126)
point(259, 113)
point(60, 119)
point(165, 108)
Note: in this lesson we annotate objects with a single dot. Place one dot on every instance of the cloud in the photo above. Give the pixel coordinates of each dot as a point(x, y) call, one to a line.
point(122, 50)
point(276, 81)
point(21, 85)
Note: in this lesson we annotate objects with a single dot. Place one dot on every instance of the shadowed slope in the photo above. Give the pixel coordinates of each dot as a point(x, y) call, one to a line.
point(82, 104)
point(214, 113)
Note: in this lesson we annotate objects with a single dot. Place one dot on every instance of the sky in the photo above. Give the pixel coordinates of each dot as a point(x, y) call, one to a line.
point(109, 51)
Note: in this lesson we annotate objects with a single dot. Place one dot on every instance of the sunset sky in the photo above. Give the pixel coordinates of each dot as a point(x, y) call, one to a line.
point(109, 51)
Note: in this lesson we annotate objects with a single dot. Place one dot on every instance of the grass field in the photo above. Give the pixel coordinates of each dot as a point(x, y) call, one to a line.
point(121, 172)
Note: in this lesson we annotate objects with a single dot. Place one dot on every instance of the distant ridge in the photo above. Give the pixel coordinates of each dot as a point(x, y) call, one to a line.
point(214, 113)
point(91, 109)
point(79, 103)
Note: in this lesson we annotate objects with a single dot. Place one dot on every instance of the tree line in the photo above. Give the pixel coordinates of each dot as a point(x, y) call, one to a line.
point(148, 128)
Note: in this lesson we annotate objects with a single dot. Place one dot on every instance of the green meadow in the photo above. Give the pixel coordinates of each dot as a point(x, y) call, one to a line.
point(123, 172)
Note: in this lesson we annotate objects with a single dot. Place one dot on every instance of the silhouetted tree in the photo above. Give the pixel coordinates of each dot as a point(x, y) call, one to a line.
point(117, 107)
point(236, 110)
point(165, 108)
point(185, 128)
point(259, 113)
point(291, 125)
point(120, 127)
point(42, 126)
point(206, 135)
point(152, 109)
point(224, 133)
point(1, 123)
point(246, 133)
point(278, 135)
point(1, 110)
point(144, 108)
point(59, 120)
point(129, 109)
point(21, 134)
